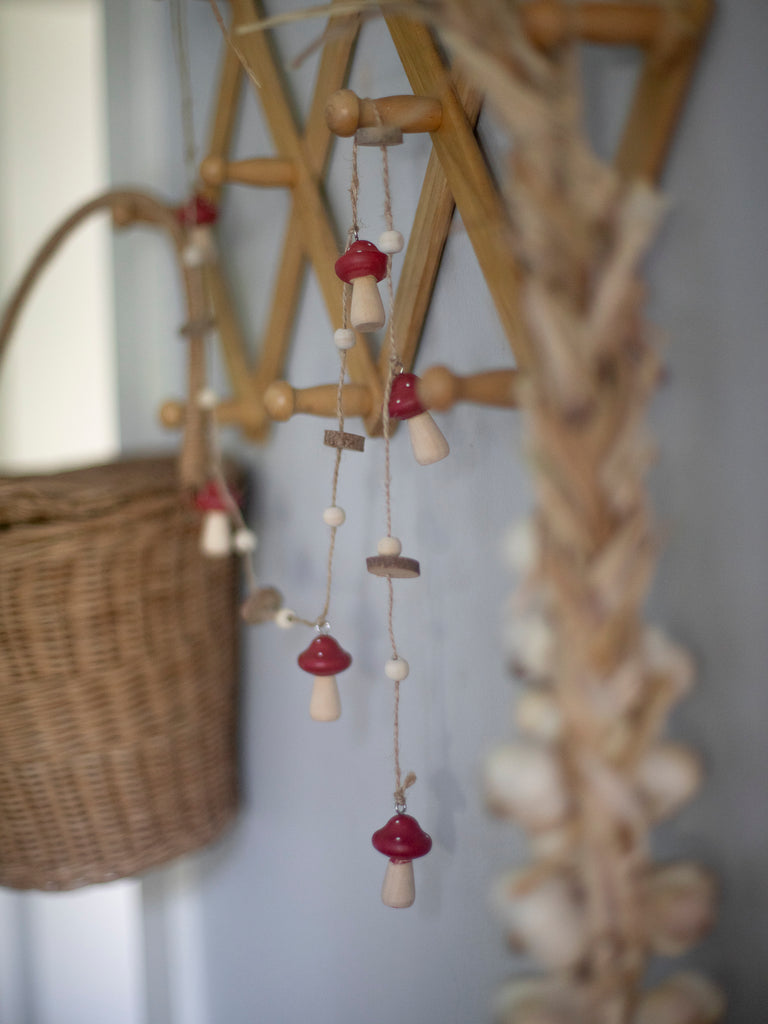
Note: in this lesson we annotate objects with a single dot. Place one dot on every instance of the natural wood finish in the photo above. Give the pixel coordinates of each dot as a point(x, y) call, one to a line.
point(550, 23)
point(255, 423)
point(447, 107)
point(264, 172)
point(345, 441)
point(325, 702)
point(249, 415)
point(317, 234)
point(441, 389)
point(225, 112)
point(399, 888)
point(396, 567)
point(661, 91)
point(426, 242)
point(427, 439)
point(469, 179)
point(282, 401)
point(345, 113)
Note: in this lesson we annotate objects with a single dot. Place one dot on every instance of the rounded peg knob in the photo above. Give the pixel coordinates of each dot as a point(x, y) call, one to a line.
point(172, 414)
point(342, 113)
point(438, 388)
point(280, 400)
point(213, 170)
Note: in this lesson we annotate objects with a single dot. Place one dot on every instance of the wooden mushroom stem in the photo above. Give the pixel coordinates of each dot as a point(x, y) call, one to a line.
point(325, 702)
point(366, 311)
point(399, 888)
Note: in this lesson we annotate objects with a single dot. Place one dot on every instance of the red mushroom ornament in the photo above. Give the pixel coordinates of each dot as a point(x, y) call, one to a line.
point(198, 215)
point(215, 535)
point(427, 440)
point(402, 839)
point(323, 659)
point(363, 266)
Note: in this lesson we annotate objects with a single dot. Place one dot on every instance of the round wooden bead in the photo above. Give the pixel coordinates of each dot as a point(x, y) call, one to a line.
point(396, 669)
point(207, 399)
point(391, 242)
point(193, 255)
point(284, 618)
point(344, 338)
point(334, 515)
point(389, 546)
point(245, 541)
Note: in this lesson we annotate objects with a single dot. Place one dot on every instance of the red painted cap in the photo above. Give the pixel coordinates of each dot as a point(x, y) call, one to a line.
point(324, 657)
point(403, 400)
point(197, 210)
point(362, 259)
point(210, 498)
point(402, 839)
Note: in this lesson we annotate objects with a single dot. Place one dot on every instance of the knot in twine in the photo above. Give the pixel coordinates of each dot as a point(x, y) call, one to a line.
point(399, 793)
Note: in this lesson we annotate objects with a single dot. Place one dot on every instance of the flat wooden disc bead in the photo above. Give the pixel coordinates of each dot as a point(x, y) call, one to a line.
point(347, 442)
point(261, 605)
point(395, 566)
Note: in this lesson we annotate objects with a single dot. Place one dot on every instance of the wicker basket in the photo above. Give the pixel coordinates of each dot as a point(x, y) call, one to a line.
point(117, 676)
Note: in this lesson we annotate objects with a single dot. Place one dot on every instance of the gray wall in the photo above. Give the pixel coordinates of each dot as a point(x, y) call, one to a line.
point(292, 924)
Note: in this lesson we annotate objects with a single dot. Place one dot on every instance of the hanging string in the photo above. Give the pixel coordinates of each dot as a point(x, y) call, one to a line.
point(181, 52)
point(394, 366)
point(352, 234)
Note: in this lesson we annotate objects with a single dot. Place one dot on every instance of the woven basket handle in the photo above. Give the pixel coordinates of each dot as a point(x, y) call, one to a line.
point(192, 461)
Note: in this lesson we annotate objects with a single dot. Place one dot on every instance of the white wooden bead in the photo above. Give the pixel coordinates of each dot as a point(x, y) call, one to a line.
point(285, 617)
point(207, 399)
point(396, 669)
point(344, 338)
point(389, 546)
point(391, 242)
point(245, 541)
point(193, 255)
point(334, 515)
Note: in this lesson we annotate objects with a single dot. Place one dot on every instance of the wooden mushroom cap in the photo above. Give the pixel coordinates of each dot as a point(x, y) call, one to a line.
point(210, 498)
point(402, 839)
point(362, 259)
point(404, 401)
point(197, 210)
point(324, 657)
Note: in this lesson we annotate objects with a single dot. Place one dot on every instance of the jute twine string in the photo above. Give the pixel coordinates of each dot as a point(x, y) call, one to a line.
point(352, 234)
point(394, 366)
point(181, 51)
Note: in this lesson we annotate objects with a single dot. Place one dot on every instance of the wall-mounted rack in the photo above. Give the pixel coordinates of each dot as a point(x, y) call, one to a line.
point(446, 106)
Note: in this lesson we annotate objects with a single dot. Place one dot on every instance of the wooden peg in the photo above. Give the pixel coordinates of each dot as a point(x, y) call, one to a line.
point(282, 401)
point(346, 112)
point(549, 23)
point(249, 415)
point(440, 388)
point(264, 172)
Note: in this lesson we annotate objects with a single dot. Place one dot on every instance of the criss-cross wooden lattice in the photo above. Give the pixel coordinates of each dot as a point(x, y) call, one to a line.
point(457, 175)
